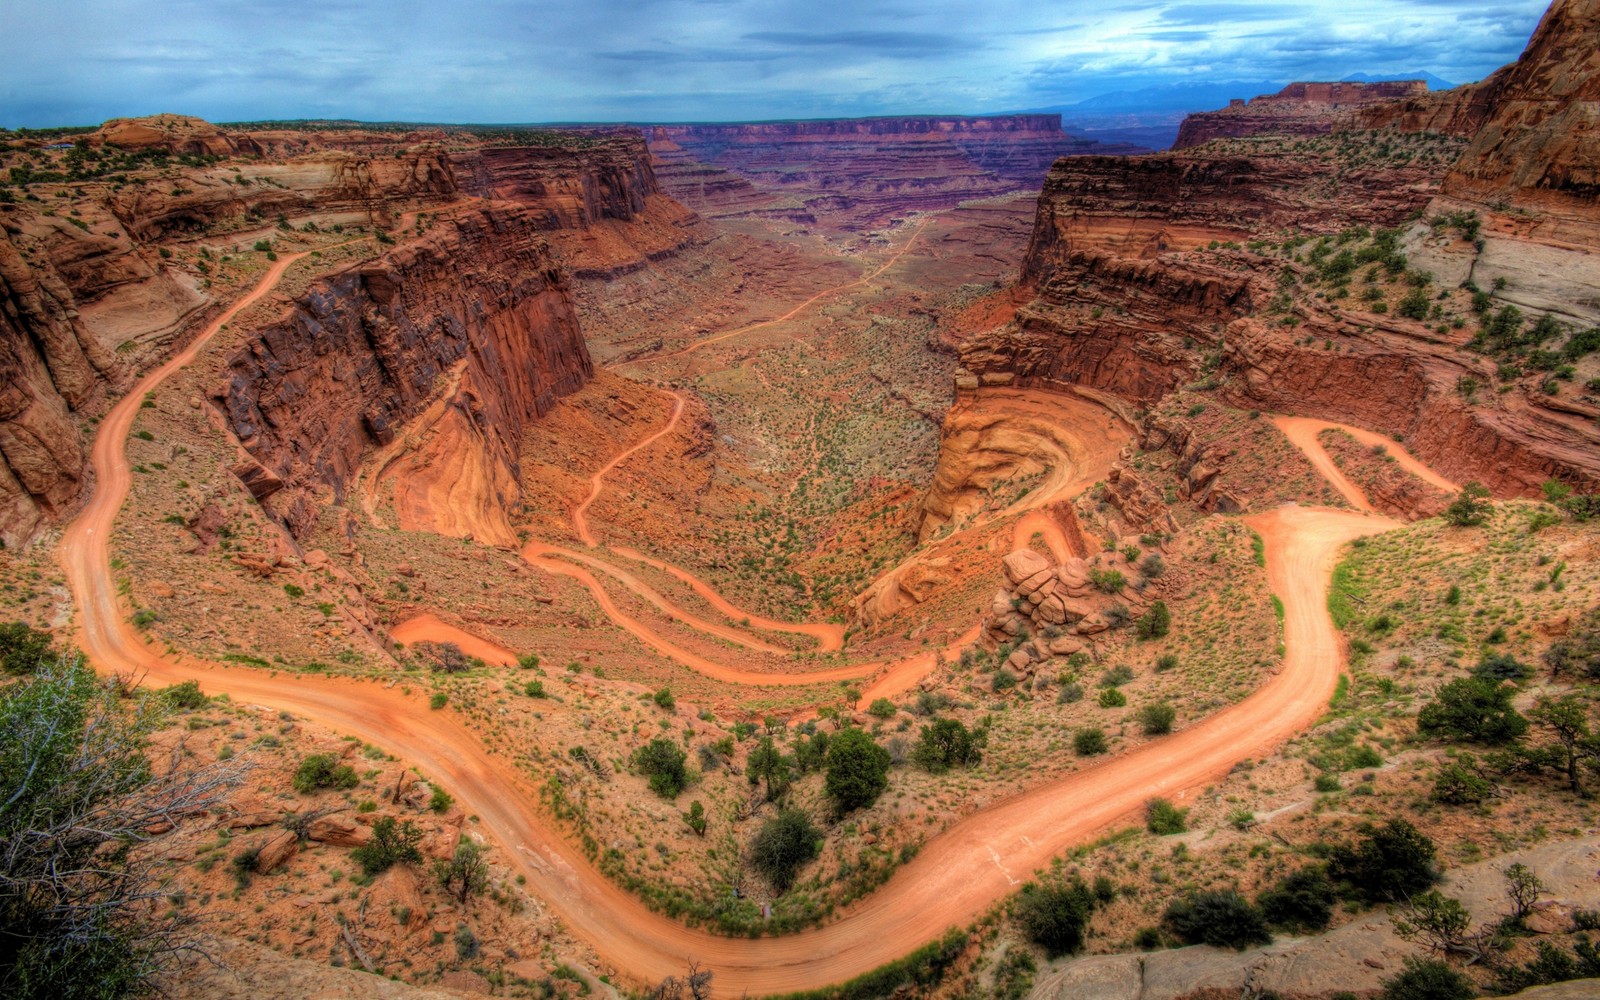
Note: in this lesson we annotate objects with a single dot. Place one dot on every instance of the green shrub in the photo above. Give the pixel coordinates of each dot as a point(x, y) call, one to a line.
point(534, 688)
point(662, 762)
point(392, 843)
point(1003, 680)
point(1499, 667)
point(1155, 623)
point(946, 744)
point(1221, 918)
point(185, 696)
point(1459, 783)
point(1107, 581)
point(857, 770)
point(1163, 818)
point(1428, 979)
point(1394, 861)
point(882, 708)
point(438, 700)
point(1470, 507)
point(1300, 901)
point(1054, 915)
point(23, 648)
point(782, 845)
point(323, 770)
point(1112, 698)
point(664, 699)
point(1476, 709)
point(441, 800)
point(1157, 719)
point(1089, 741)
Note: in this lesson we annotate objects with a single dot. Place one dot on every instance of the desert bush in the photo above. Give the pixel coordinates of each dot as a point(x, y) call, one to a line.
point(782, 845)
point(946, 744)
point(1163, 818)
point(857, 770)
point(662, 762)
point(1474, 709)
point(1219, 917)
point(1089, 741)
point(1300, 901)
point(392, 843)
point(1054, 915)
point(1391, 862)
point(1157, 718)
point(323, 770)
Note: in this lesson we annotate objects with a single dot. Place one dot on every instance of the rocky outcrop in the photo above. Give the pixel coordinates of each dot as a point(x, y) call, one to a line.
point(86, 297)
point(1300, 109)
point(860, 172)
point(1538, 152)
point(50, 365)
point(1048, 609)
point(476, 302)
point(1127, 298)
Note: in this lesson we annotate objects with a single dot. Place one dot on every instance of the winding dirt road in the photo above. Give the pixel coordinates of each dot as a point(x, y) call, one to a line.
point(1303, 433)
point(955, 878)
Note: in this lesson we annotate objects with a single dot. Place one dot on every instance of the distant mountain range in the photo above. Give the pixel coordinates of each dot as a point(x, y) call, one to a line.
point(1149, 116)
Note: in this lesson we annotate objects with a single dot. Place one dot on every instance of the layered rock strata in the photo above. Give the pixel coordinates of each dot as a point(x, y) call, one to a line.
point(476, 309)
point(1300, 109)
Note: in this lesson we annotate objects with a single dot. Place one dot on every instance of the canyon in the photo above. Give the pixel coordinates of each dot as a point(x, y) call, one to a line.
point(493, 461)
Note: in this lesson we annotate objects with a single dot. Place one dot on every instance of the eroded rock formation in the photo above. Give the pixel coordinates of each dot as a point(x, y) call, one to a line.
point(861, 171)
point(1300, 109)
point(1130, 294)
point(476, 309)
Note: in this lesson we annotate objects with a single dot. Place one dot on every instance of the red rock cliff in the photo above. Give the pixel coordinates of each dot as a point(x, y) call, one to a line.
point(1127, 297)
point(1539, 149)
point(476, 309)
point(862, 171)
point(1298, 109)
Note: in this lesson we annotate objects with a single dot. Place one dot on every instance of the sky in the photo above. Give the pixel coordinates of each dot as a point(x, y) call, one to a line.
point(83, 61)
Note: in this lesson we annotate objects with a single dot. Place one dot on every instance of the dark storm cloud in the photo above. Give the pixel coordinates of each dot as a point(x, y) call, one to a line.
point(544, 60)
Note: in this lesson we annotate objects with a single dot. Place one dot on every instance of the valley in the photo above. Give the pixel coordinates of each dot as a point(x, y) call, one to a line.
point(791, 550)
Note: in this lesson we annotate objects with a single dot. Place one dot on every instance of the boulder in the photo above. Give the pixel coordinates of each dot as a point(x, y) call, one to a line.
point(277, 851)
point(1023, 564)
point(339, 830)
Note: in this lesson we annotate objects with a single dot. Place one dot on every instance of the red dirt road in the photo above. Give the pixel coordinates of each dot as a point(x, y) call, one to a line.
point(956, 876)
point(1302, 433)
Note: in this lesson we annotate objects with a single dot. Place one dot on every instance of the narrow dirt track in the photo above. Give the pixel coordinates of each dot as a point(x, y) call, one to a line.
point(597, 482)
point(428, 628)
point(956, 876)
point(791, 314)
point(1302, 433)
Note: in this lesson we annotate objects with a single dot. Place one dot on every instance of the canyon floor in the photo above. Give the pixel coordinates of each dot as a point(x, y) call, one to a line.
point(488, 474)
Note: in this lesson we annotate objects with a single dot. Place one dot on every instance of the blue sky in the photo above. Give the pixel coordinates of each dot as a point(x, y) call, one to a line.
point(82, 61)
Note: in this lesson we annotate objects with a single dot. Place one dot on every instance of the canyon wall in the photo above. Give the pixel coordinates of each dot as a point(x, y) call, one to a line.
point(475, 307)
point(1300, 109)
point(1142, 274)
point(88, 296)
point(1538, 151)
point(858, 173)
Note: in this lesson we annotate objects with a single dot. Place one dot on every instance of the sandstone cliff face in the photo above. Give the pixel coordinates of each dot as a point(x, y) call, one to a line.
point(47, 365)
point(1300, 109)
point(87, 296)
point(1539, 149)
point(476, 302)
point(1125, 297)
point(860, 172)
